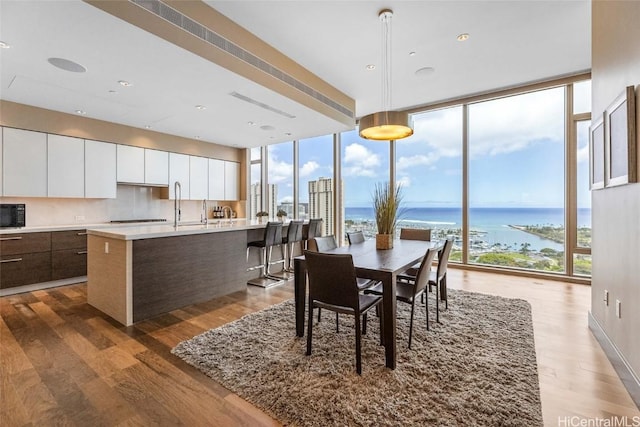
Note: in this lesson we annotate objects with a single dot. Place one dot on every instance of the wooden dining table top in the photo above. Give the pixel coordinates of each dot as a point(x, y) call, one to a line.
point(371, 263)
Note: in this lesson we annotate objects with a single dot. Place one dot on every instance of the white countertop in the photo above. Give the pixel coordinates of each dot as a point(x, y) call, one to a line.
point(138, 232)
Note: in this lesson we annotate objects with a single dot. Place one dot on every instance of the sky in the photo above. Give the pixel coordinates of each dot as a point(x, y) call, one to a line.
point(516, 148)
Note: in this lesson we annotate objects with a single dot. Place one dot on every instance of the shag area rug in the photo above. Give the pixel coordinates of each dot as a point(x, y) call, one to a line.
point(476, 368)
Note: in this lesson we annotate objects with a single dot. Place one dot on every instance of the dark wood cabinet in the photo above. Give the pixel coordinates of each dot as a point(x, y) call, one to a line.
point(68, 254)
point(28, 258)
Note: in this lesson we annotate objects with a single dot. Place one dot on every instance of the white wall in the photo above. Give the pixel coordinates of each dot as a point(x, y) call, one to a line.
point(132, 202)
point(616, 211)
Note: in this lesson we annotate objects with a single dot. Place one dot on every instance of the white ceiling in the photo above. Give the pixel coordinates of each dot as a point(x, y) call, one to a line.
point(511, 42)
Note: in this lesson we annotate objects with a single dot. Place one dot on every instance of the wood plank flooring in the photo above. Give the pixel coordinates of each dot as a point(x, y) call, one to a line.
point(63, 362)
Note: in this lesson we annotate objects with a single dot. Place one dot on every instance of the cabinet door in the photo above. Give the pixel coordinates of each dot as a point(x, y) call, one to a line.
point(24, 163)
point(156, 167)
point(130, 164)
point(68, 263)
point(65, 166)
point(178, 171)
point(25, 269)
point(216, 179)
point(231, 181)
point(198, 178)
point(100, 170)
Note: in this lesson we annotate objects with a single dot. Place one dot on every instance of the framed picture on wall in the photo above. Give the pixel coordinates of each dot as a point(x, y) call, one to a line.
point(596, 154)
point(620, 137)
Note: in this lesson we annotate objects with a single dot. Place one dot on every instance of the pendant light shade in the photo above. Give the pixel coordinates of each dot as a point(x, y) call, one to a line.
point(386, 125)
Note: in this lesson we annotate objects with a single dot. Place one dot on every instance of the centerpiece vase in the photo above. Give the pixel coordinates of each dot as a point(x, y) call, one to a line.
point(384, 241)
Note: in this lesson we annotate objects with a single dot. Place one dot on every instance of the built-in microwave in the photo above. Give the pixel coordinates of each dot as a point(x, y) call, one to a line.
point(12, 215)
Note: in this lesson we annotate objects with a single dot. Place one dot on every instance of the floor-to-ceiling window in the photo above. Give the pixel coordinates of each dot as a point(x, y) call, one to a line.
point(364, 163)
point(526, 191)
point(429, 169)
point(315, 176)
point(516, 181)
point(280, 179)
point(582, 204)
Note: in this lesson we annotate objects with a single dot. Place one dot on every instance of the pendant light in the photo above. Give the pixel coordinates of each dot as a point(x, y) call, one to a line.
point(386, 125)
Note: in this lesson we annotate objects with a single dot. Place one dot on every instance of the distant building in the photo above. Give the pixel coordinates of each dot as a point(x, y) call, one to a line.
point(321, 203)
point(255, 198)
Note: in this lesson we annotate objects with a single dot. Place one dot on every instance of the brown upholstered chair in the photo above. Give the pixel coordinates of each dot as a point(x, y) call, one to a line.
point(408, 292)
point(438, 278)
point(326, 243)
point(415, 234)
point(355, 237)
point(333, 286)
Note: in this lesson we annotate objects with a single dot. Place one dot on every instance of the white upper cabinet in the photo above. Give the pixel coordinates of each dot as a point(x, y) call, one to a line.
point(130, 164)
point(156, 167)
point(100, 170)
point(198, 178)
point(231, 181)
point(24, 171)
point(179, 171)
point(216, 179)
point(65, 166)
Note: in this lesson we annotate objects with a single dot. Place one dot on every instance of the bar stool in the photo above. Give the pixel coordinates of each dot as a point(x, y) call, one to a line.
point(272, 237)
point(312, 231)
point(294, 235)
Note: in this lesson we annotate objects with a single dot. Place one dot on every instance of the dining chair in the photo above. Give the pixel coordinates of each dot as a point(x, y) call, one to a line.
point(355, 237)
point(327, 243)
point(438, 278)
point(408, 292)
point(333, 286)
point(415, 234)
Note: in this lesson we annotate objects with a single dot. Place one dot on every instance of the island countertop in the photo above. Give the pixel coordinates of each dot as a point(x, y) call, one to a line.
point(155, 231)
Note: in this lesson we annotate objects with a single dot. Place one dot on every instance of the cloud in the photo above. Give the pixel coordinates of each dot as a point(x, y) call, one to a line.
point(429, 159)
point(404, 181)
point(286, 199)
point(279, 171)
point(360, 161)
point(309, 168)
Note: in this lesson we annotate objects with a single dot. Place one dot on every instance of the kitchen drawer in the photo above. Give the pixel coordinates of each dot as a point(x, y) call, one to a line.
point(25, 269)
point(25, 243)
point(71, 239)
point(68, 263)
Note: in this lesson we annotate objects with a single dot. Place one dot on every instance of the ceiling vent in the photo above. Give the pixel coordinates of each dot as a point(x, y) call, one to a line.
point(173, 16)
point(261, 105)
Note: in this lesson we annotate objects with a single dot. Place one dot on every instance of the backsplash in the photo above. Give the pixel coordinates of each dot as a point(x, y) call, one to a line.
point(132, 202)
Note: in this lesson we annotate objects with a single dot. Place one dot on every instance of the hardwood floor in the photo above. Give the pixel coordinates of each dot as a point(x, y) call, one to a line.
point(63, 362)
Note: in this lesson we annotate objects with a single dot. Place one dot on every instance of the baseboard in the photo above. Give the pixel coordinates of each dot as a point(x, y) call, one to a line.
point(43, 285)
point(620, 364)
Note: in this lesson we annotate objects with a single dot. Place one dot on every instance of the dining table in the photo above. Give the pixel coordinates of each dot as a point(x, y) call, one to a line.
point(370, 263)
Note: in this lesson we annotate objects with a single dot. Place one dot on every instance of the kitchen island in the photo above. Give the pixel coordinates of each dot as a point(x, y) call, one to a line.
point(136, 273)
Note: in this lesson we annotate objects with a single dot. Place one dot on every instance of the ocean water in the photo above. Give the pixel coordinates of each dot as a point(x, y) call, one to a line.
point(492, 224)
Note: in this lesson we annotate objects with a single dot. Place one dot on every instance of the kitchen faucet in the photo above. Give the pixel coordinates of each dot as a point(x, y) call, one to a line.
point(224, 211)
point(204, 215)
point(177, 199)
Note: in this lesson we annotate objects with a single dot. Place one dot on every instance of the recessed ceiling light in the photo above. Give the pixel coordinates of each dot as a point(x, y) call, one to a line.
point(197, 136)
point(424, 71)
point(147, 127)
point(463, 37)
point(371, 67)
point(67, 65)
point(125, 83)
point(412, 54)
point(4, 45)
point(288, 133)
point(201, 107)
point(251, 123)
point(81, 112)
point(113, 92)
